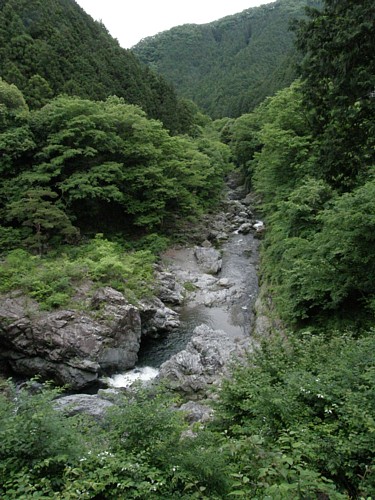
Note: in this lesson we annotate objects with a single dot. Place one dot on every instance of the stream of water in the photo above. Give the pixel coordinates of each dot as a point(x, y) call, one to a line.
point(232, 313)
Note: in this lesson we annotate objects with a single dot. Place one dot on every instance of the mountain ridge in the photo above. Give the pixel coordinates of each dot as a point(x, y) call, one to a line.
point(230, 65)
point(52, 47)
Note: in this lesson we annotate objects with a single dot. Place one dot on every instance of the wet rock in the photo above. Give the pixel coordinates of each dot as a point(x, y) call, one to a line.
point(245, 228)
point(248, 199)
point(209, 259)
point(259, 226)
point(222, 236)
point(82, 375)
point(207, 244)
point(168, 289)
point(211, 298)
point(110, 394)
point(204, 281)
point(203, 363)
point(224, 282)
point(157, 318)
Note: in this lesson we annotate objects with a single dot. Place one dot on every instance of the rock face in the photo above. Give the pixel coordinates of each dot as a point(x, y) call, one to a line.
point(76, 348)
point(168, 290)
point(203, 363)
point(196, 412)
point(156, 318)
point(68, 346)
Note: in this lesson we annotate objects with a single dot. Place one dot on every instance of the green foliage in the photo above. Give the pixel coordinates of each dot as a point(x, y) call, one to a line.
point(337, 72)
point(146, 423)
point(318, 256)
point(106, 263)
point(50, 48)
point(301, 418)
point(137, 452)
point(36, 210)
point(103, 166)
point(36, 443)
point(11, 98)
point(285, 155)
point(38, 92)
point(229, 66)
point(52, 280)
point(153, 242)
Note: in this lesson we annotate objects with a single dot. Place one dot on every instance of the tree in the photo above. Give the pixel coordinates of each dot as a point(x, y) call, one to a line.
point(106, 166)
point(53, 47)
point(12, 104)
point(36, 210)
point(300, 418)
point(38, 91)
point(337, 73)
point(286, 154)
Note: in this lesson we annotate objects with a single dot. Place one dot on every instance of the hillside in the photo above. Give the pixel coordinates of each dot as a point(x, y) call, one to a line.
point(229, 66)
point(51, 47)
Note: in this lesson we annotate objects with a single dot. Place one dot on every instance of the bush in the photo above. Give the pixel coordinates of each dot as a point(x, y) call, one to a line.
point(36, 442)
point(311, 403)
point(52, 280)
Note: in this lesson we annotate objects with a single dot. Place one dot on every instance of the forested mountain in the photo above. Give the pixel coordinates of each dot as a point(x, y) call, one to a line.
point(309, 152)
point(78, 154)
point(229, 66)
point(51, 47)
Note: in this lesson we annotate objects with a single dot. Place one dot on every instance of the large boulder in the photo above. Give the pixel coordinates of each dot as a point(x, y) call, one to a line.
point(86, 404)
point(209, 259)
point(156, 317)
point(168, 289)
point(203, 363)
point(196, 412)
point(68, 346)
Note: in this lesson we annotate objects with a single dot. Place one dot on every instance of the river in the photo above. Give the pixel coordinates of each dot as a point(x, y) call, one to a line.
point(223, 302)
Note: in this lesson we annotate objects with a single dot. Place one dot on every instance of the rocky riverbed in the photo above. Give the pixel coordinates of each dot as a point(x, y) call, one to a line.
point(200, 321)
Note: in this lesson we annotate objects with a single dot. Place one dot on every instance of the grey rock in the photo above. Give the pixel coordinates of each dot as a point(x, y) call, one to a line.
point(224, 282)
point(86, 404)
point(222, 236)
point(245, 228)
point(156, 318)
point(61, 373)
point(204, 362)
point(248, 200)
point(196, 412)
point(207, 244)
point(168, 290)
point(209, 259)
point(259, 226)
point(110, 394)
point(68, 346)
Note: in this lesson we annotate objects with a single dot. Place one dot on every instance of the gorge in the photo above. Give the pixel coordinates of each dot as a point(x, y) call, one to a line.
point(200, 285)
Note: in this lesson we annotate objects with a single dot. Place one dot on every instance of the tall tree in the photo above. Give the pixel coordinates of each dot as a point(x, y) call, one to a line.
point(338, 72)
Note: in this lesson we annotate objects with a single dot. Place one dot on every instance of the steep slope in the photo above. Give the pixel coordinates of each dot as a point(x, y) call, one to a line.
point(52, 46)
point(228, 66)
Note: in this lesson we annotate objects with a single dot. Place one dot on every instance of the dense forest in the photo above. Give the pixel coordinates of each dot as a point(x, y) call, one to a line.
point(229, 66)
point(54, 47)
point(296, 420)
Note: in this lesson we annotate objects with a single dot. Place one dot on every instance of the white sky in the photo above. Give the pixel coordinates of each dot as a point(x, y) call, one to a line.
point(131, 20)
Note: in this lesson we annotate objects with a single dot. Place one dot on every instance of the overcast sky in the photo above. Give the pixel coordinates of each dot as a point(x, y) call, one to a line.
point(131, 20)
